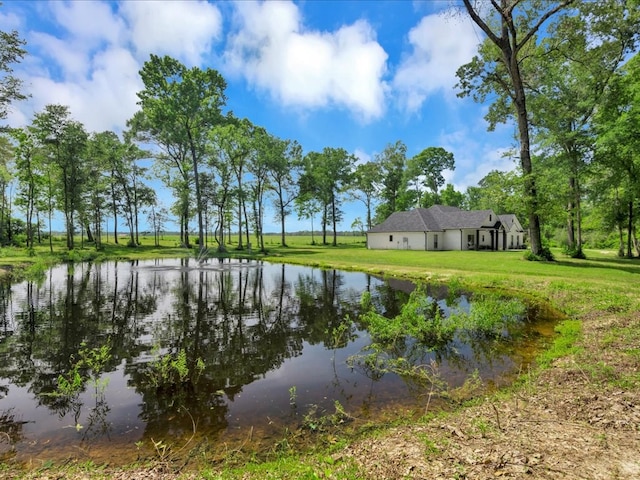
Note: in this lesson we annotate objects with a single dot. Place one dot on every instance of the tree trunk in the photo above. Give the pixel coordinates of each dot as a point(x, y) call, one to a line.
point(324, 225)
point(221, 246)
point(333, 215)
point(114, 207)
point(282, 228)
point(530, 189)
point(630, 230)
point(196, 180)
point(246, 225)
point(240, 244)
point(571, 232)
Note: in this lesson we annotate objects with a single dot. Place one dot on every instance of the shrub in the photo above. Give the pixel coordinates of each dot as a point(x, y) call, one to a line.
point(544, 256)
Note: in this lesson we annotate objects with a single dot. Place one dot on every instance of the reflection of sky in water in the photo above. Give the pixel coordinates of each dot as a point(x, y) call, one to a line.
point(320, 375)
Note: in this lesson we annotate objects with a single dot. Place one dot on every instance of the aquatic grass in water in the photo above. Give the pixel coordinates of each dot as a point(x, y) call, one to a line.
point(489, 315)
point(423, 319)
point(422, 325)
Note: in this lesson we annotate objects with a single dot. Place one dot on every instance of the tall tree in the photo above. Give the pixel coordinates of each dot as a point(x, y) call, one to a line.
point(221, 197)
point(425, 169)
point(618, 141)
point(283, 162)
point(66, 141)
point(326, 176)
point(235, 139)
point(264, 144)
point(29, 161)
point(11, 51)
point(181, 106)
point(570, 75)
point(511, 27)
point(366, 186)
point(6, 159)
point(392, 161)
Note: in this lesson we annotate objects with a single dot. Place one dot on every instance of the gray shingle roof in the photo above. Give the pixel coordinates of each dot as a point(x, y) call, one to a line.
point(436, 219)
point(509, 219)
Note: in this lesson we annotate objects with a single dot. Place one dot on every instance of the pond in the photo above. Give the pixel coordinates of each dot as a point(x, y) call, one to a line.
point(117, 360)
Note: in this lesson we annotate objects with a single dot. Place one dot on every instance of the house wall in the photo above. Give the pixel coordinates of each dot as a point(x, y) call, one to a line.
point(515, 239)
point(451, 240)
point(447, 240)
point(396, 241)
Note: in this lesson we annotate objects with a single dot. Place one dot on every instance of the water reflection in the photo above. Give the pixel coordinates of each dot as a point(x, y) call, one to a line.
point(253, 333)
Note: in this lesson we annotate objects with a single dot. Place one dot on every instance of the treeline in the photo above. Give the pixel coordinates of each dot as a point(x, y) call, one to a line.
point(573, 91)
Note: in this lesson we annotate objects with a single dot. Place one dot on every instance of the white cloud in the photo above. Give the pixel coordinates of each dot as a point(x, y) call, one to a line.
point(92, 23)
point(362, 156)
point(475, 156)
point(87, 64)
point(9, 21)
point(102, 101)
point(308, 68)
point(440, 45)
point(73, 62)
point(184, 30)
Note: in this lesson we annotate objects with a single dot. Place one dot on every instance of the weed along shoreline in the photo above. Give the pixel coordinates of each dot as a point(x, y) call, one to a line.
point(575, 414)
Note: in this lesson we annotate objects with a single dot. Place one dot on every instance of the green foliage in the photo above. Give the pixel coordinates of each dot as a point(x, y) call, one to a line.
point(545, 255)
point(427, 167)
point(90, 363)
point(318, 420)
point(573, 252)
point(420, 318)
point(172, 370)
point(490, 314)
point(11, 52)
point(569, 331)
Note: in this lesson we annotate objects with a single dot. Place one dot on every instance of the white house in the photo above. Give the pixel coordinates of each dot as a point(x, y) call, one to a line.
point(447, 228)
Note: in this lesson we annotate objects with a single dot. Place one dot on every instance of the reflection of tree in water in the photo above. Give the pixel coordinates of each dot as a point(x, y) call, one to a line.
point(463, 353)
point(10, 433)
point(75, 305)
point(322, 305)
point(235, 326)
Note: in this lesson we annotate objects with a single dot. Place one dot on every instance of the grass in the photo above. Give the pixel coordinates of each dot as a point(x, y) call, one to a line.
point(602, 285)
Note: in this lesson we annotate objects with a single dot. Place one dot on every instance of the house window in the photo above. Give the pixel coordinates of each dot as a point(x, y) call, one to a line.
point(470, 241)
point(482, 238)
point(489, 217)
point(435, 241)
point(391, 238)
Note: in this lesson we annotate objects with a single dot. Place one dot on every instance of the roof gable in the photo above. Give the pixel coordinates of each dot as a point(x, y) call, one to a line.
point(510, 221)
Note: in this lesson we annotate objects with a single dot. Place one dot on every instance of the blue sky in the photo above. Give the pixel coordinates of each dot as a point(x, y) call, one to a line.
point(351, 74)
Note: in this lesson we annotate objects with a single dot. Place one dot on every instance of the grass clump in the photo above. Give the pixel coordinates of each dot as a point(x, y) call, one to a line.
point(569, 331)
point(420, 317)
point(489, 315)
